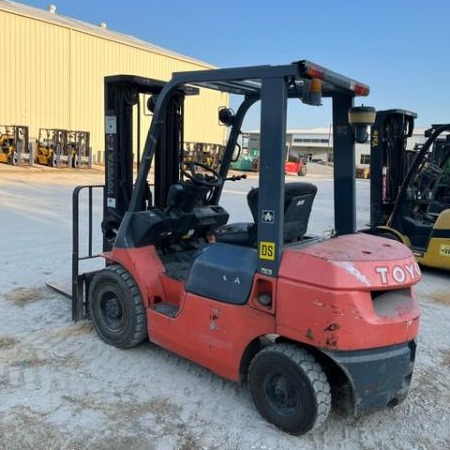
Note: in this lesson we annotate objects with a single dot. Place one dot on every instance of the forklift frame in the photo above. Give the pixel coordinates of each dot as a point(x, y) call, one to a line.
point(273, 85)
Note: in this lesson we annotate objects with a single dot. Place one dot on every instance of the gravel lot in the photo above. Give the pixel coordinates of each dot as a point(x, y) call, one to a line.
point(61, 387)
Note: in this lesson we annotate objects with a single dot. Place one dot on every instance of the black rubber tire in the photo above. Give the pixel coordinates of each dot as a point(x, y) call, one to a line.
point(302, 172)
point(289, 388)
point(116, 308)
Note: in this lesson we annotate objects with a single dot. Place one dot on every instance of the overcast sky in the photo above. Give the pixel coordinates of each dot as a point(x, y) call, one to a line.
point(394, 46)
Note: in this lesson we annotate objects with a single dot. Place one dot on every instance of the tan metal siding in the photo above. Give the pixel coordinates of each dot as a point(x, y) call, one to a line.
point(53, 78)
point(202, 116)
point(31, 81)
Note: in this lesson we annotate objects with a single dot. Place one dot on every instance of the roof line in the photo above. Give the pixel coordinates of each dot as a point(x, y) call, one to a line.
point(42, 15)
point(418, 131)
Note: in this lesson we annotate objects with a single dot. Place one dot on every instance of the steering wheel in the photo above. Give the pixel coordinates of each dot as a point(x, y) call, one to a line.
point(210, 178)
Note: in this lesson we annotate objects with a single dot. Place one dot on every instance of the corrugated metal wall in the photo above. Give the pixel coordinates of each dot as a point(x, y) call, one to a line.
point(52, 77)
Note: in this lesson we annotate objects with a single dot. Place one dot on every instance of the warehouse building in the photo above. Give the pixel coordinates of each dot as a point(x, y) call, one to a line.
point(53, 70)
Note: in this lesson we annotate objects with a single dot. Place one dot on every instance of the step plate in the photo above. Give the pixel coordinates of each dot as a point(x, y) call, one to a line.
point(168, 309)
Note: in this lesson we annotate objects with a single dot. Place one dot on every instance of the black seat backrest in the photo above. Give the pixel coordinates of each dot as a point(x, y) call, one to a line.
point(298, 200)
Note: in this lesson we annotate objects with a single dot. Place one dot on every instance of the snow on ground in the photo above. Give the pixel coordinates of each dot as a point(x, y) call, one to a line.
point(61, 387)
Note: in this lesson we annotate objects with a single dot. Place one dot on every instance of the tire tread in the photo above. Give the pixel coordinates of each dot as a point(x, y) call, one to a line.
point(140, 329)
point(307, 363)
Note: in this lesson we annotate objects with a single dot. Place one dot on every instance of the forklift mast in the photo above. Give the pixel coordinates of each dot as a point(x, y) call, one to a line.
point(122, 94)
point(441, 149)
point(389, 161)
point(442, 159)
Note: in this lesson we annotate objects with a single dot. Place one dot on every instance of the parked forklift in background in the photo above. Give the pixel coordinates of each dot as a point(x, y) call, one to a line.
point(7, 146)
point(77, 152)
point(14, 144)
point(295, 165)
point(302, 319)
point(49, 142)
point(249, 161)
point(410, 189)
point(209, 154)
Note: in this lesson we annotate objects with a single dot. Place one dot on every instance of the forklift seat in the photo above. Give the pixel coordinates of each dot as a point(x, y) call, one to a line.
point(298, 200)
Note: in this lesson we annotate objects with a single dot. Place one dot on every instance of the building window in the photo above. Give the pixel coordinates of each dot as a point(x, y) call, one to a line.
point(311, 141)
point(365, 159)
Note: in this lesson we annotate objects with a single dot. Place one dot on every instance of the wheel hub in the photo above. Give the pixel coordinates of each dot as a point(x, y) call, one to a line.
point(112, 311)
point(281, 394)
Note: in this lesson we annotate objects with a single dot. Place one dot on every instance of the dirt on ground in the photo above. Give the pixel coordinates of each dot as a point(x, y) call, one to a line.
point(61, 387)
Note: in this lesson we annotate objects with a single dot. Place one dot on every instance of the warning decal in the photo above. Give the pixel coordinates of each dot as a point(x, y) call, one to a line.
point(444, 250)
point(267, 250)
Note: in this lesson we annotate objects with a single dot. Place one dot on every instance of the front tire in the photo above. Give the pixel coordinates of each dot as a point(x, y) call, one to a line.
point(289, 388)
point(116, 307)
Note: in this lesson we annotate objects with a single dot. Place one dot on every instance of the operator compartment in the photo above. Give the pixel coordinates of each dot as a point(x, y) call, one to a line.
point(163, 228)
point(350, 292)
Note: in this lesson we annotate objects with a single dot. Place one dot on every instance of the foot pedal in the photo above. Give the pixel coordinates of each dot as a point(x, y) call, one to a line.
point(168, 309)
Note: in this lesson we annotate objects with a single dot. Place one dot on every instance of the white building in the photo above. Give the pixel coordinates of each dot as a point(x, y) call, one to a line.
point(316, 144)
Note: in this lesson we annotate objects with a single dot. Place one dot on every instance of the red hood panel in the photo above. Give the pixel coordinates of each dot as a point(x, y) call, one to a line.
point(350, 262)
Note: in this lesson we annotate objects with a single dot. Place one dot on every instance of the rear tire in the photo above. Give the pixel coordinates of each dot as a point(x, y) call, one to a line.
point(289, 388)
point(116, 307)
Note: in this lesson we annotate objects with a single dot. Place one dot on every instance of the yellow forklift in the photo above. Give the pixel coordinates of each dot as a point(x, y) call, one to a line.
point(13, 144)
point(7, 147)
point(50, 143)
point(77, 152)
point(207, 153)
point(410, 189)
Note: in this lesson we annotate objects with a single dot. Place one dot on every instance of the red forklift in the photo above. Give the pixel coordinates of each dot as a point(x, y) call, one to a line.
point(304, 320)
